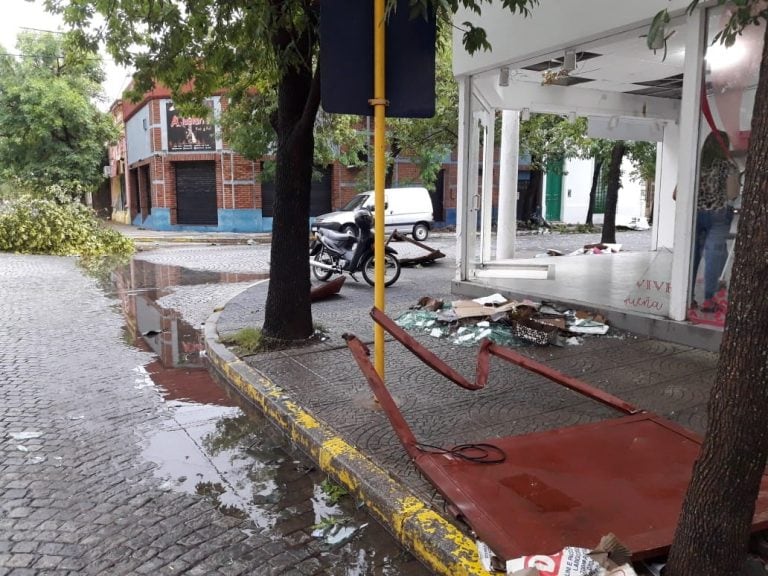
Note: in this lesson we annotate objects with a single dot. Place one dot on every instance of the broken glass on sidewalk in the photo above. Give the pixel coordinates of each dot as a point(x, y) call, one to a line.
point(504, 322)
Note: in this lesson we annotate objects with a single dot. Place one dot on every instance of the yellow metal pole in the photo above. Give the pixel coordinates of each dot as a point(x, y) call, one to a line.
point(379, 173)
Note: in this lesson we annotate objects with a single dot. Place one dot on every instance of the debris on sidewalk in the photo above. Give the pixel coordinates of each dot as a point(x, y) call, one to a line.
point(326, 290)
point(609, 558)
point(431, 255)
point(505, 322)
point(599, 248)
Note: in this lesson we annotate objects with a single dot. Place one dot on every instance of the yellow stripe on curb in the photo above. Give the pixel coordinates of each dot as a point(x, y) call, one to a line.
point(446, 549)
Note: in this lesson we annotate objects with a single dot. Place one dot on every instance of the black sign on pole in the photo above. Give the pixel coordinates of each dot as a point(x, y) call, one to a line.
point(346, 60)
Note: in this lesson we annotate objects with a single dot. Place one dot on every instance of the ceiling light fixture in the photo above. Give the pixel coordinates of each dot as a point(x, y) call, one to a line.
point(504, 76)
point(569, 61)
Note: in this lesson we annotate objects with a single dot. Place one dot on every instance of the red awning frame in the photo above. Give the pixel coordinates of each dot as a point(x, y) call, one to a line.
point(538, 493)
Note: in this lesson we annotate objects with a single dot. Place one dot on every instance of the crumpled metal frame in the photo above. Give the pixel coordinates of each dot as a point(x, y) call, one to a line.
point(564, 487)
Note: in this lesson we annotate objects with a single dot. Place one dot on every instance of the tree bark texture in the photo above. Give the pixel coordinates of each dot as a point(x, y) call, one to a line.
point(593, 190)
point(612, 194)
point(713, 532)
point(288, 315)
point(530, 198)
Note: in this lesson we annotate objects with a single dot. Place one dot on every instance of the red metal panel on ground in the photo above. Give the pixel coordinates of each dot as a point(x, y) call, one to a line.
point(565, 487)
point(570, 487)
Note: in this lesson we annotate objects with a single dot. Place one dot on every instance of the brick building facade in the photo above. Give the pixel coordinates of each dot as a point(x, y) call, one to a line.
point(169, 172)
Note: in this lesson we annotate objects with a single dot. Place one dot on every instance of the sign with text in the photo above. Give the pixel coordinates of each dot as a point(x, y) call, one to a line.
point(188, 134)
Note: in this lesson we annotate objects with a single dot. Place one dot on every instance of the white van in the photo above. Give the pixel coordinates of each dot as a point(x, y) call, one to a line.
point(409, 210)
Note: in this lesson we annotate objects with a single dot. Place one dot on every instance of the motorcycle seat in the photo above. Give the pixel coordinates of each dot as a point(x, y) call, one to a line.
point(340, 240)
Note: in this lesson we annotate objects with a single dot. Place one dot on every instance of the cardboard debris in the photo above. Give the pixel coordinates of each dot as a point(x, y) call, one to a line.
point(473, 309)
point(608, 558)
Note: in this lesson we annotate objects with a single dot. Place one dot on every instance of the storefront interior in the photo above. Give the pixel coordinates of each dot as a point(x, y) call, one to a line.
point(692, 96)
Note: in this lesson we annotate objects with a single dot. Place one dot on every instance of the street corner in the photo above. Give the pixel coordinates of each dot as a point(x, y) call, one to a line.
point(436, 541)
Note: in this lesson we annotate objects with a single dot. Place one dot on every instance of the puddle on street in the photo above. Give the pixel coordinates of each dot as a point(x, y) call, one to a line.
point(217, 446)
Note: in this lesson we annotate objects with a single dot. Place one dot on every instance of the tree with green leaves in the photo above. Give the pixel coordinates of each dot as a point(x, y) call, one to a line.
point(608, 233)
point(713, 532)
point(196, 47)
point(550, 139)
point(345, 138)
point(51, 132)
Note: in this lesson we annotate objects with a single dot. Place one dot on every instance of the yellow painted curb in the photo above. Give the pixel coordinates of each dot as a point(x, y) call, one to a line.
point(433, 539)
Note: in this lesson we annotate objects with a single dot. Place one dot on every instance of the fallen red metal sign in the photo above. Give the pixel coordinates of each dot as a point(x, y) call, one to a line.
point(564, 487)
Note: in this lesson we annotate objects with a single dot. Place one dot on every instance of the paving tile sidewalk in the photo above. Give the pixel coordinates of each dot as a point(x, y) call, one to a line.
point(322, 401)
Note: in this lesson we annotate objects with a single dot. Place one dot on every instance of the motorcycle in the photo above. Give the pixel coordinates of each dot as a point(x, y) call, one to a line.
point(338, 252)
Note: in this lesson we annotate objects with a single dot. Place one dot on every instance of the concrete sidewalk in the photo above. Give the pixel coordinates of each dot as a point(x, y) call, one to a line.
point(317, 395)
point(144, 235)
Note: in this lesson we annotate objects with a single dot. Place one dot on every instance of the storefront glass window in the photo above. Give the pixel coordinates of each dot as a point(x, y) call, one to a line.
point(730, 82)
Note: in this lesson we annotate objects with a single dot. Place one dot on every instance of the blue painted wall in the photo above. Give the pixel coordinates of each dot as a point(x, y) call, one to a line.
point(242, 221)
point(229, 221)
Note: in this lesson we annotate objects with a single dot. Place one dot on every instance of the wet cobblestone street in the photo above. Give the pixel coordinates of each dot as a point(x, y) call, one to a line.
point(118, 457)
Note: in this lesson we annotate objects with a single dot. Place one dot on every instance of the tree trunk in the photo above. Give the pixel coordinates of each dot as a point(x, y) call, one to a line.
point(531, 197)
point(288, 315)
point(612, 194)
point(712, 535)
point(593, 190)
point(394, 150)
point(650, 192)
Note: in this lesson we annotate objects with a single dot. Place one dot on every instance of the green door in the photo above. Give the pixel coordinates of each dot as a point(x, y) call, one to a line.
point(554, 192)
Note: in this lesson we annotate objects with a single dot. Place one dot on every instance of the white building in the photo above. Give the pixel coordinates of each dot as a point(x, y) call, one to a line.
point(590, 58)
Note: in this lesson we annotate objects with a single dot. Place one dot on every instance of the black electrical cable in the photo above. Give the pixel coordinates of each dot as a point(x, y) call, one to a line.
point(479, 453)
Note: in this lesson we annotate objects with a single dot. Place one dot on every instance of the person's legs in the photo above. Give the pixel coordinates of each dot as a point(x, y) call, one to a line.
point(699, 239)
point(716, 250)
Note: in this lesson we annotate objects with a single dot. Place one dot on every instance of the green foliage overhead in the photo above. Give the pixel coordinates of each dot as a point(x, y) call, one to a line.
point(200, 47)
point(239, 45)
point(248, 127)
point(31, 225)
point(50, 128)
point(643, 158)
point(549, 138)
point(743, 13)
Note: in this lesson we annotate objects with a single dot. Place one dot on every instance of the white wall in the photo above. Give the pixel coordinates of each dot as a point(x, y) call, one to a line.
point(578, 182)
point(553, 24)
point(138, 136)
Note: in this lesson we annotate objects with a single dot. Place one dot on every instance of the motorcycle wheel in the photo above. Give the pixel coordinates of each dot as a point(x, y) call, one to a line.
point(391, 270)
point(320, 273)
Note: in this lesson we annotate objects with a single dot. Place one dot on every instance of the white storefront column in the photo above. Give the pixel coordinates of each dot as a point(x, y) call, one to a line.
point(468, 193)
point(462, 175)
point(486, 212)
point(664, 206)
point(506, 226)
point(687, 158)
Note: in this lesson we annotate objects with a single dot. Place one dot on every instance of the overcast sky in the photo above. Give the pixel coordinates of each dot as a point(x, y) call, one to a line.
point(20, 14)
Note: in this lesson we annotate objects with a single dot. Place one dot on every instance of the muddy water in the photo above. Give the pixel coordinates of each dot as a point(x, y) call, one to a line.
point(215, 445)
